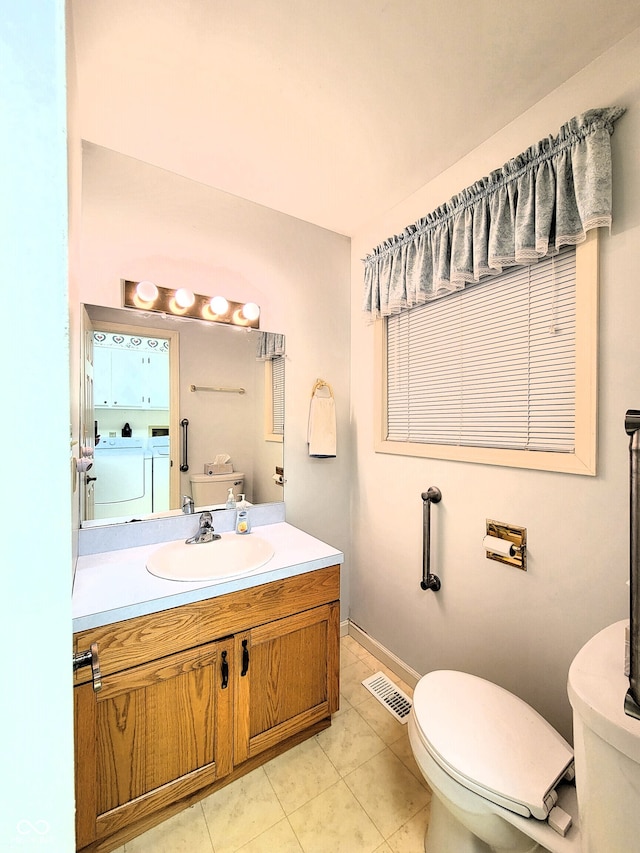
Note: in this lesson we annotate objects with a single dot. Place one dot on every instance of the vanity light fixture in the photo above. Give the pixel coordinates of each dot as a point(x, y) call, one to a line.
point(219, 305)
point(250, 311)
point(182, 302)
point(147, 291)
point(184, 297)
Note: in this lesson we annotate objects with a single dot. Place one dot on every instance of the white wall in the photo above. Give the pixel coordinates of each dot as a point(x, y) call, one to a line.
point(518, 629)
point(37, 718)
point(139, 221)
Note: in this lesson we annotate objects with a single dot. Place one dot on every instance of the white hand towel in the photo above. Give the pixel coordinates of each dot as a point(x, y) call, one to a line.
point(321, 433)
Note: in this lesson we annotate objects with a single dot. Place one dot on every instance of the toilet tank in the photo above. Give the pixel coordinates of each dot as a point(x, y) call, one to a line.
point(209, 489)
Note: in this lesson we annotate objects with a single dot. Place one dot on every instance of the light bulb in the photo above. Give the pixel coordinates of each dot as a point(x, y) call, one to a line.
point(146, 291)
point(184, 298)
point(251, 311)
point(219, 305)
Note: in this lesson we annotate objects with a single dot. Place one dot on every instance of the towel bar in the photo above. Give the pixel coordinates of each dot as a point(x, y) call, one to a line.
point(216, 388)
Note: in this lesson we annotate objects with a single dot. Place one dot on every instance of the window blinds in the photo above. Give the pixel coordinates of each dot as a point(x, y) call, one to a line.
point(277, 394)
point(492, 365)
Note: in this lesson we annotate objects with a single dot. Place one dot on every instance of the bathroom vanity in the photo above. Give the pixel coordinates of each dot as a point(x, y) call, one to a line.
point(201, 687)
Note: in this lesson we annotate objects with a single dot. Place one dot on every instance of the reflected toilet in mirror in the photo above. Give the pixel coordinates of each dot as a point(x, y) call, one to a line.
point(213, 489)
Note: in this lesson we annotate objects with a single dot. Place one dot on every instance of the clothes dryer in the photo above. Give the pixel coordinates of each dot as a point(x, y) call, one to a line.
point(123, 483)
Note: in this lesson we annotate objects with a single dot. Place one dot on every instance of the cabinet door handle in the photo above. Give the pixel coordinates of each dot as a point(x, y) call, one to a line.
point(224, 671)
point(245, 658)
point(90, 658)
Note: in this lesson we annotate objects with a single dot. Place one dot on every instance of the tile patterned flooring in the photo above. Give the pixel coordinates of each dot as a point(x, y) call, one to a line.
point(353, 788)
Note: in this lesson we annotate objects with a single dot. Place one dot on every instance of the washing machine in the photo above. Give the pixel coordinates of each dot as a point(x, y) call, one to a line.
point(160, 469)
point(123, 471)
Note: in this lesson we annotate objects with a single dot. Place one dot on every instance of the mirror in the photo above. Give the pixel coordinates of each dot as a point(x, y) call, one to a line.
point(204, 397)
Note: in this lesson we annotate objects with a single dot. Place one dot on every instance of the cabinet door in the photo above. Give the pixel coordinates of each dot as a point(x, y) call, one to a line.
point(286, 678)
point(127, 379)
point(118, 378)
point(151, 735)
point(101, 376)
point(156, 386)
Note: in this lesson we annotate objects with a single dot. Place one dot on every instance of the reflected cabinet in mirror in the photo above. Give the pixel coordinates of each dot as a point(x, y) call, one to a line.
point(166, 401)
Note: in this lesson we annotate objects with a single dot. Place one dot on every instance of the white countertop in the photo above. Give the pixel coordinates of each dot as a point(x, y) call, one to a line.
point(115, 585)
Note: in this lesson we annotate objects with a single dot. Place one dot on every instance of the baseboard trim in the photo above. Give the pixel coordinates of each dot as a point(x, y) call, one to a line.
point(398, 667)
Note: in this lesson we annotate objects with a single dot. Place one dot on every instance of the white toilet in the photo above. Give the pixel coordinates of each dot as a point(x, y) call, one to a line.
point(495, 765)
point(212, 489)
point(500, 774)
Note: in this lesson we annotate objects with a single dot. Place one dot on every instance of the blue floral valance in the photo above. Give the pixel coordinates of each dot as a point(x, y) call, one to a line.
point(270, 345)
point(547, 197)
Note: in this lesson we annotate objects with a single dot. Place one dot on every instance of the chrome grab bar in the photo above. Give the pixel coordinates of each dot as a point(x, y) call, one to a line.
point(184, 464)
point(632, 698)
point(429, 581)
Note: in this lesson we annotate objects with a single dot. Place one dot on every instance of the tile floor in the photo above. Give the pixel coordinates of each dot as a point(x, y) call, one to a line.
point(353, 788)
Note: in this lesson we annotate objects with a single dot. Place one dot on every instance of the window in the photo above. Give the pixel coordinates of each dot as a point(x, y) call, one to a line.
point(503, 372)
point(274, 399)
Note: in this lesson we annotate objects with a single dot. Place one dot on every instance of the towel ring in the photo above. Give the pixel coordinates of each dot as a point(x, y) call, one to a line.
point(320, 383)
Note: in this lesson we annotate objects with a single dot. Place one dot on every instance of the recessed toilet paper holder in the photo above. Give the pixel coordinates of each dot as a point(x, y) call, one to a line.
point(506, 543)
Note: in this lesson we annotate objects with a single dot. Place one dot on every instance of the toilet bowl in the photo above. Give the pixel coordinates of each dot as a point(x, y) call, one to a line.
point(500, 774)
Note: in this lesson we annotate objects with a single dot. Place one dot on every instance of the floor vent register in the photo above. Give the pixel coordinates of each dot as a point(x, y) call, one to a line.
point(386, 692)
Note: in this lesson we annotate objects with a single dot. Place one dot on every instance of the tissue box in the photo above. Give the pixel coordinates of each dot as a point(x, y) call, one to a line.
point(211, 468)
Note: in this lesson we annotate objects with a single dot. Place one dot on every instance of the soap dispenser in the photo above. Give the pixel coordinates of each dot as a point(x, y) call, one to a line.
point(243, 523)
point(231, 501)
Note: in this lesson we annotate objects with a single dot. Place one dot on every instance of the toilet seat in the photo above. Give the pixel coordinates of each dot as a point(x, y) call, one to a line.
point(491, 741)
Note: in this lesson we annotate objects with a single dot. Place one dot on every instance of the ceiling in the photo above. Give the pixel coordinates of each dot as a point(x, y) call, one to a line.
point(328, 110)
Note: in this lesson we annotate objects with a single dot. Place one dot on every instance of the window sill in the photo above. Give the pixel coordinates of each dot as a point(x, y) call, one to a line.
point(566, 463)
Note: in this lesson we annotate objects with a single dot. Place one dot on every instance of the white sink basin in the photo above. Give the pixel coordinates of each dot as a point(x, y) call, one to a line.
point(229, 557)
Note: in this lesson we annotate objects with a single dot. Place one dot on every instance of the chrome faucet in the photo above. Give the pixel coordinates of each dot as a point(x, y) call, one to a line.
point(205, 532)
point(187, 504)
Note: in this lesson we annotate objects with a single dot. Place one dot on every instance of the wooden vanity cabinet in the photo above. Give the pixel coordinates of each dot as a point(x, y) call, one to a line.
point(290, 678)
point(152, 734)
point(193, 697)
